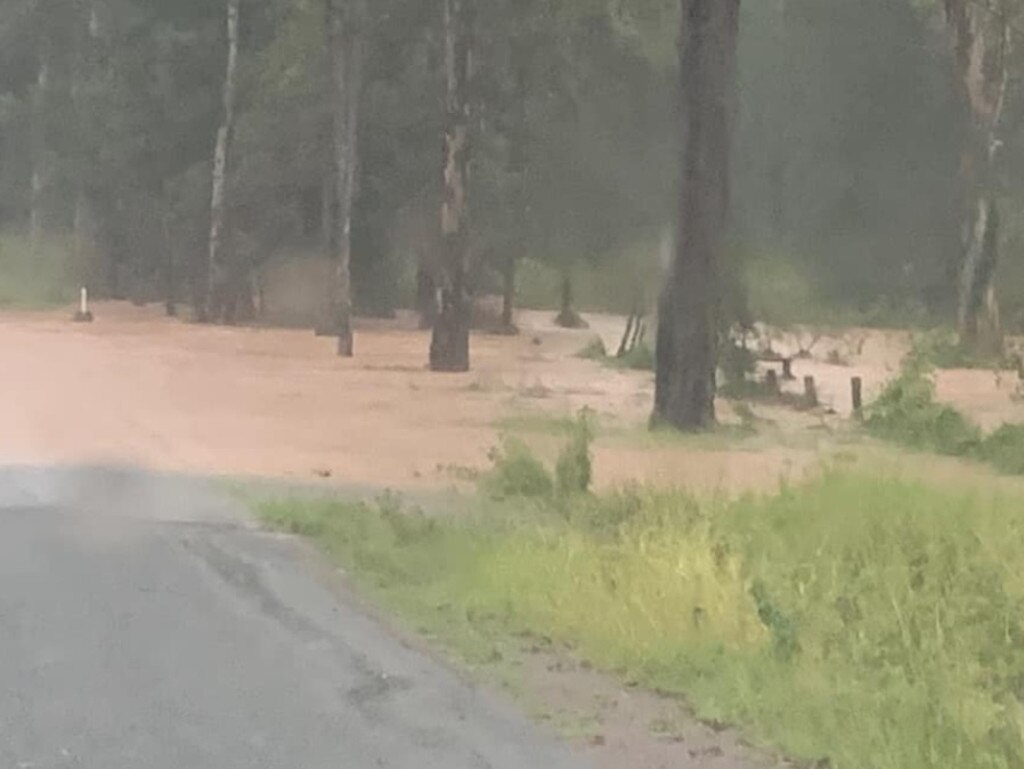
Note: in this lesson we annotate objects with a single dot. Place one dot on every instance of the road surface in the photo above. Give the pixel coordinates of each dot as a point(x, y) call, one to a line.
point(144, 622)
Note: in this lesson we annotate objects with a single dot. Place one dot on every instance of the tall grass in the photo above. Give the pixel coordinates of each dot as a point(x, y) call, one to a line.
point(868, 620)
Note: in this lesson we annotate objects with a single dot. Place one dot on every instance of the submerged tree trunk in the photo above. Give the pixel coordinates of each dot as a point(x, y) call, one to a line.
point(170, 297)
point(687, 344)
point(345, 22)
point(218, 278)
point(449, 347)
point(567, 315)
point(508, 296)
point(981, 41)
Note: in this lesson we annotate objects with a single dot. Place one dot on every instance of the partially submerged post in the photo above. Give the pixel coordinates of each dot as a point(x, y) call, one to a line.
point(810, 392)
point(83, 315)
point(856, 392)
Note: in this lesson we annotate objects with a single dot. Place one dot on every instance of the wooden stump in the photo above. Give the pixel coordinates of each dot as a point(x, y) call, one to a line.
point(810, 392)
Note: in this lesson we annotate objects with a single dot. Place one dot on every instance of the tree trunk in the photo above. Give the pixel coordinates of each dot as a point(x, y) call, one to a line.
point(687, 344)
point(508, 295)
point(345, 22)
point(170, 300)
point(40, 159)
point(981, 44)
point(218, 268)
point(567, 315)
point(518, 166)
point(426, 296)
point(449, 347)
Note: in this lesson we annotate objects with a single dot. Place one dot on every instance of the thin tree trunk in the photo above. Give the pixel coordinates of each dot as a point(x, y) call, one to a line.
point(40, 159)
point(519, 165)
point(567, 315)
point(170, 300)
point(981, 43)
point(508, 296)
point(345, 30)
point(326, 317)
point(449, 347)
point(218, 268)
point(426, 295)
point(687, 343)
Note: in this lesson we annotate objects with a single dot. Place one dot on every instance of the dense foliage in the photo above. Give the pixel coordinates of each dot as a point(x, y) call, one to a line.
point(845, 175)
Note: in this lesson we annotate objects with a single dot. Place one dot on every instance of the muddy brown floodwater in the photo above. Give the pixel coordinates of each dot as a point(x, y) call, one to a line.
point(137, 388)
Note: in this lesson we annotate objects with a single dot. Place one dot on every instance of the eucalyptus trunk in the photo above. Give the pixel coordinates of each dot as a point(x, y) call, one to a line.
point(449, 347)
point(981, 38)
point(345, 28)
point(219, 269)
point(687, 346)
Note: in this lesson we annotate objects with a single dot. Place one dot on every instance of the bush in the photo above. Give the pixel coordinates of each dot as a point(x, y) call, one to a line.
point(594, 350)
point(639, 358)
point(574, 468)
point(517, 472)
point(1004, 449)
point(941, 349)
point(906, 413)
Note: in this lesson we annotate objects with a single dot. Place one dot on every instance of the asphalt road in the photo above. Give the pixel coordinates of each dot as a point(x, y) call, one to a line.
point(144, 622)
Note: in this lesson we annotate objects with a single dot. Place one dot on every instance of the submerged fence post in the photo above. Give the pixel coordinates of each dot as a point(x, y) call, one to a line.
point(856, 394)
point(810, 392)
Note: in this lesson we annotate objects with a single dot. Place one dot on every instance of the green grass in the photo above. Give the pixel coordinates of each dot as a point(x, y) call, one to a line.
point(34, 281)
point(865, 619)
point(907, 413)
point(640, 358)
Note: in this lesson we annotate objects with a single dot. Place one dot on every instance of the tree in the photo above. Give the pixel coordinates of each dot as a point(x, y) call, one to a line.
point(220, 282)
point(346, 20)
point(980, 35)
point(449, 346)
point(686, 355)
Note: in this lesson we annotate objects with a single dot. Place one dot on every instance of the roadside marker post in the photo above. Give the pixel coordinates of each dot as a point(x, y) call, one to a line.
point(83, 315)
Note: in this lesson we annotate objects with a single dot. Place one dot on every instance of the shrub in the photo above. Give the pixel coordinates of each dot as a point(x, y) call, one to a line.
point(517, 472)
point(574, 468)
point(906, 413)
point(594, 350)
point(1004, 449)
point(639, 358)
point(941, 349)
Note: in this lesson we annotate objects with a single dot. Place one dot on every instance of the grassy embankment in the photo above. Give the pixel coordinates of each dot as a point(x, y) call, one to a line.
point(869, 620)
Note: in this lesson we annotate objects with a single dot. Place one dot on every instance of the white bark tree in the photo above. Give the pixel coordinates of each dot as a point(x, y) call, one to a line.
point(214, 305)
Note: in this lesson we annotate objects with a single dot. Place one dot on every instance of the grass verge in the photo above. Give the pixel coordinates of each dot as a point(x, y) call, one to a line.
point(869, 621)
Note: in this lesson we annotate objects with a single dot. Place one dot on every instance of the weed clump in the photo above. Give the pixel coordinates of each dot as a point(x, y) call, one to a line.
point(594, 350)
point(907, 413)
point(638, 358)
point(574, 469)
point(517, 472)
point(1004, 449)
